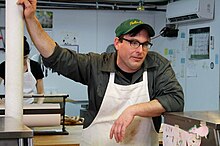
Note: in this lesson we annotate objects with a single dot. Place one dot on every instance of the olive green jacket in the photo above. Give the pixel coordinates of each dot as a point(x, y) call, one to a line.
point(93, 70)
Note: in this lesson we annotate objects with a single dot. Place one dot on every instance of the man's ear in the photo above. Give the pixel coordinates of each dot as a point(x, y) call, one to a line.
point(117, 43)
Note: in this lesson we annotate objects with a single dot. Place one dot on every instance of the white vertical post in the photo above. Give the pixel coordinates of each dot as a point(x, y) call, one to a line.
point(14, 60)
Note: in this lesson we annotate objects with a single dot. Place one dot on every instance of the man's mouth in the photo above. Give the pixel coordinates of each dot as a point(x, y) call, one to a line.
point(137, 58)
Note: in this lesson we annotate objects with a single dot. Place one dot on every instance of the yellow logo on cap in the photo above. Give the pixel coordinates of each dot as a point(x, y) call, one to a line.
point(136, 22)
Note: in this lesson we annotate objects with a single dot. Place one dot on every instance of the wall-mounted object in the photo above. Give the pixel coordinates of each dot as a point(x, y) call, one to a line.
point(199, 43)
point(189, 10)
point(45, 18)
point(169, 32)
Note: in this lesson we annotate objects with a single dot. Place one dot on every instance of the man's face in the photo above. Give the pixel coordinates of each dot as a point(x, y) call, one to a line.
point(130, 58)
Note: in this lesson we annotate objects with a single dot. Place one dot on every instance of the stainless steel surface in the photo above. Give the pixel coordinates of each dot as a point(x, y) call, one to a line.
point(10, 128)
point(212, 118)
point(40, 95)
point(187, 120)
point(30, 142)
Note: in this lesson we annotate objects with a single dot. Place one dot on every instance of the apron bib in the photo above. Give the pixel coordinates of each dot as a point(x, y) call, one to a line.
point(117, 98)
point(29, 84)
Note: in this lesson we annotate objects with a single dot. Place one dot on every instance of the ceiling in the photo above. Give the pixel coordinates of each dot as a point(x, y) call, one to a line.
point(154, 5)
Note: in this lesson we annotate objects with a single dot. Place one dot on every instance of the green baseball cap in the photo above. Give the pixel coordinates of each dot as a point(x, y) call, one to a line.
point(128, 25)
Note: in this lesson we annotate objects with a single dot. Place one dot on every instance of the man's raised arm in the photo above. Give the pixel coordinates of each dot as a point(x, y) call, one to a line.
point(40, 38)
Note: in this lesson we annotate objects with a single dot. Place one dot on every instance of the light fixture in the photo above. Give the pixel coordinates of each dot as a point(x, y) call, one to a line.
point(141, 5)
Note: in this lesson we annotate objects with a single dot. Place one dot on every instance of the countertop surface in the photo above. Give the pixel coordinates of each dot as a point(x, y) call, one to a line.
point(212, 118)
point(11, 128)
point(72, 139)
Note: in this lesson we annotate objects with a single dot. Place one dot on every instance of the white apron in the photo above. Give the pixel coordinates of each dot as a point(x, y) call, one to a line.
point(117, 98)
point(29, 84)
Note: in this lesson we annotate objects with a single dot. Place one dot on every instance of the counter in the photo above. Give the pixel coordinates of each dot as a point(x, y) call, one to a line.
point(190, 122)
point(73, 139)
point(14, 133)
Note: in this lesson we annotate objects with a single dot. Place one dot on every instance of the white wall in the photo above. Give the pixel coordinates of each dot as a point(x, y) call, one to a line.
point(95, 29)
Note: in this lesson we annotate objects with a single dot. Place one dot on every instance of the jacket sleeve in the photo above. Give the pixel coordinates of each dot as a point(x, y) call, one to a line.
point(70, 64)
point(168, 91)
point(166, 88)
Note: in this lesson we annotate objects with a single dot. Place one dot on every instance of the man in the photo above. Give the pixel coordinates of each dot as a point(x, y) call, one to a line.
point(127, 90)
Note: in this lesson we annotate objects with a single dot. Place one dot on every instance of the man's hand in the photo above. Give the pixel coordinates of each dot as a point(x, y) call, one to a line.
point(146, 109)
point(119, 127)
point(29, 8)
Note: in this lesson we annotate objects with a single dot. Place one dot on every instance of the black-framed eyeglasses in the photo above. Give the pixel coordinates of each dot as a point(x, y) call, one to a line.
point(135, 44)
